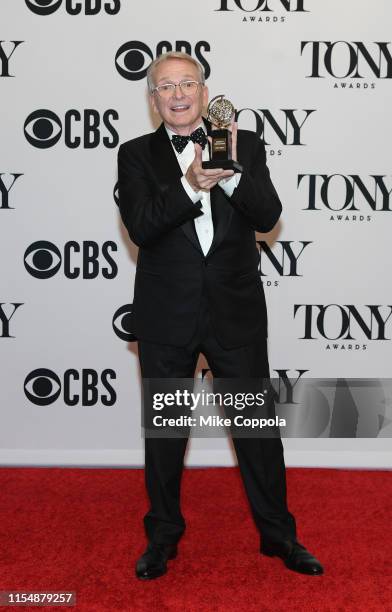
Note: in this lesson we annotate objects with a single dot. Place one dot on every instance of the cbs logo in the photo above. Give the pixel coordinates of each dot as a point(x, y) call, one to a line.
point(43, 259)
point(74, 7)
point(43, 128)
point(134, 57)
point(123, 324)
point(86, 387)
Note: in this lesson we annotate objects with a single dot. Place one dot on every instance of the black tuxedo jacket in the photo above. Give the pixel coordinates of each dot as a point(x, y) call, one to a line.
point(172, 270)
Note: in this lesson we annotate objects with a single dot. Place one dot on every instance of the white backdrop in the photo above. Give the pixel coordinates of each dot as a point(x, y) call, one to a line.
point(324, 113)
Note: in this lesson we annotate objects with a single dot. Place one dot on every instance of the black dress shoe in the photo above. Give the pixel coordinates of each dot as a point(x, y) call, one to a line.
point(294, 555)
point(153, 562)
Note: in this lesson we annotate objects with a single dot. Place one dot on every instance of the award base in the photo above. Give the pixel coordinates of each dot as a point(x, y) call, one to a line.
point(225, 164)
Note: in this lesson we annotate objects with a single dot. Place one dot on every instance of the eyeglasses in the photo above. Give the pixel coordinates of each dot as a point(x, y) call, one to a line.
point(188, 88)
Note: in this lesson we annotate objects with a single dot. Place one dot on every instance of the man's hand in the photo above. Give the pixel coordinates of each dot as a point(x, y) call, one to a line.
point(204, 180)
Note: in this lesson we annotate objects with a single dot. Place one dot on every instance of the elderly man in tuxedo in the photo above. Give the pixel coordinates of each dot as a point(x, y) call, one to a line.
point(197, 290)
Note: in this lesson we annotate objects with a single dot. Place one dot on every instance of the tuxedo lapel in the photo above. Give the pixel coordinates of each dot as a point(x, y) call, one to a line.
point(222, 212)
point(167, 169)
point(164, 159)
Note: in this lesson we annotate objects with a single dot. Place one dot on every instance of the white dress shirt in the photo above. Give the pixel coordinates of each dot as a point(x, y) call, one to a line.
point(203, 224)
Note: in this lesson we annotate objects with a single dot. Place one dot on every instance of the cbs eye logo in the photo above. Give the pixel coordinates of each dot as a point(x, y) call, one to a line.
point(122, 323)
point(43, 259)
point(43, 128)
point(134, 57)
point(74, 7)
point(43, 387)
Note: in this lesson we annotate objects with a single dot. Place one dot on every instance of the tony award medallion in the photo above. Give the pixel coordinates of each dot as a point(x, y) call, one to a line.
point(220, 112)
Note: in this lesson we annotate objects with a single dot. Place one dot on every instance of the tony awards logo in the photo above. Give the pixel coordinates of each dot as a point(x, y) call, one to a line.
point(220, 113)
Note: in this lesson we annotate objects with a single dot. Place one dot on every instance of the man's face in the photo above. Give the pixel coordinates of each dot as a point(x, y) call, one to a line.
point(181, 113)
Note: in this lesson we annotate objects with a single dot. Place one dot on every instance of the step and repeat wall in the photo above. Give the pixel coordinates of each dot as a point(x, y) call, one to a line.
point(313, 80)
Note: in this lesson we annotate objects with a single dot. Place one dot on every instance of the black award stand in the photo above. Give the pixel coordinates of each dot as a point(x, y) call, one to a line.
point(220, 152)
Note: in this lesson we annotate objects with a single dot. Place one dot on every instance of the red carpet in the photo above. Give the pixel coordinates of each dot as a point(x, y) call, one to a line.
point(81, 530)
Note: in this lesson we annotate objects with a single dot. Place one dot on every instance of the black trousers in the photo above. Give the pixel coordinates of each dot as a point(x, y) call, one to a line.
point(260, 460)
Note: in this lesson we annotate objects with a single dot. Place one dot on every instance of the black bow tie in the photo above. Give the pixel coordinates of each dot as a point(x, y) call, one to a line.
point(198, 136)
